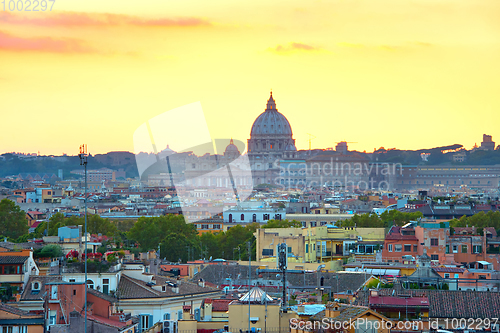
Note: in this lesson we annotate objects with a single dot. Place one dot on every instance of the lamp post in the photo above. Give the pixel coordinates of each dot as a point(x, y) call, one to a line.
point(83, 161)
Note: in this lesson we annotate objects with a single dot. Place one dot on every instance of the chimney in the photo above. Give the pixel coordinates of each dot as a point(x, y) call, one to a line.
point(333, 310)
point(175, 288)
point(201, 283)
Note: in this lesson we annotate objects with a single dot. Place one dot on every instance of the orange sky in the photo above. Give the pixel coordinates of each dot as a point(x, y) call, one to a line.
point(393, 73)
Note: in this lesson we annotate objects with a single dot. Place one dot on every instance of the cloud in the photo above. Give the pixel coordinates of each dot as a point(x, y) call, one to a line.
point(10, 42)
point(292, 47)
point(74, 19)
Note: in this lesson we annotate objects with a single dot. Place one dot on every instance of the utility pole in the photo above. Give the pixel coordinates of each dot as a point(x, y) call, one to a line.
point(83, 161)
point(249, 283)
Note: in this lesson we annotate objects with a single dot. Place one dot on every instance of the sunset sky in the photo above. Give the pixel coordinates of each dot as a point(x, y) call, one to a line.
point(392, 73)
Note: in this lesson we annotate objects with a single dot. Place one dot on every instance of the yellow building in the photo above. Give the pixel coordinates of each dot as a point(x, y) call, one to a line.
point(327, 243)
point(269, 238)
point(318, 244)
point(265, 314)
point(255, 309)
point(327, 209)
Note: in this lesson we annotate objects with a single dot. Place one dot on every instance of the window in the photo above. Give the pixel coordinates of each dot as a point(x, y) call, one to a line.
point(268, 252)
point(477, 249)
point(447, 249)
point(464, 248)
point(456, 276)
point(53, 294)
point(90, 284)
point(254, 218)
point(407, 248)
point(72, 280)
point(23, 329)
point(7, 329)
point(74, 292)
point(145, 321)
point(242, 217)
point(446, 275)
point(389, 247)
point(52, 317)
point(455, 248)
point(415, 248)
point(105, 286)
point(166, 316)
point(434, 257)
point(398, 247)
point(434, 242)
point(313, 223)
point(307, 248)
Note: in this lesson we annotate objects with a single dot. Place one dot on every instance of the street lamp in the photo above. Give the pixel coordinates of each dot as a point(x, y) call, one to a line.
point(83, 161)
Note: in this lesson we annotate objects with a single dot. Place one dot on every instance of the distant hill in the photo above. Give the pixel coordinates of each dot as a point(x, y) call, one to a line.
point(13, 165)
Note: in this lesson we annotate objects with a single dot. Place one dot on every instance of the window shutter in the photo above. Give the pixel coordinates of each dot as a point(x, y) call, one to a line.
point(150, 321)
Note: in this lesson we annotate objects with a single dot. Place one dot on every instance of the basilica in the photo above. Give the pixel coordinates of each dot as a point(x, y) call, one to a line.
point(271, 158)
point(271, 140)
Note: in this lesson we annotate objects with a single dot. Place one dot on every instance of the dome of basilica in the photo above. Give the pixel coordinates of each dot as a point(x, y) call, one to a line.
point(231, 149)
point(271, 122)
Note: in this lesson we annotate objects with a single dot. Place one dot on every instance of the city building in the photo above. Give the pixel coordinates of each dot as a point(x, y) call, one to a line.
point(13, 320)
point(487, 143)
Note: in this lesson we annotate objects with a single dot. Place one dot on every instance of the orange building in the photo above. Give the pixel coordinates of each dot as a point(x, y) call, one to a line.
point(433, 237)
point(400, 243)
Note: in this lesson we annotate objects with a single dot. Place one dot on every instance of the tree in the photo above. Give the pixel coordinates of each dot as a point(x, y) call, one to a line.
point(175, 247)
point(282, 224)
point(49, 251)
point(12, 219)
point(150, 231)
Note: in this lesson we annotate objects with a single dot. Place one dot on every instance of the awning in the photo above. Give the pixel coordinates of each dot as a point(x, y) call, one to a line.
point(484, 263)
